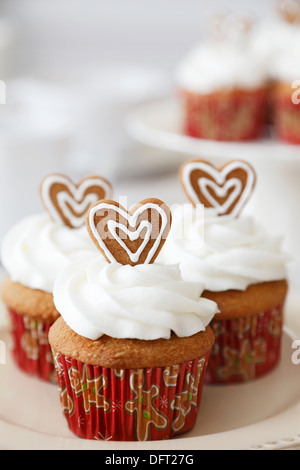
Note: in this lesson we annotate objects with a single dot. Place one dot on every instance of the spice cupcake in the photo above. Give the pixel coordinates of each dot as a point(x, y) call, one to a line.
point(242, 266)
point(132, 343)
point(276, 42)
point(272, 40)
point(286, 93)
point(32, 253)
point(223, 88)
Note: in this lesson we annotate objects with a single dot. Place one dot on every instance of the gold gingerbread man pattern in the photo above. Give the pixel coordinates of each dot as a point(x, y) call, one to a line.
point(242, 362)
point(275, 323)
point(83, 384)
point(142, 406)
point(160, 405)
point(91, 388)
point(170, 375)
point(34, 337)
point(188, 397)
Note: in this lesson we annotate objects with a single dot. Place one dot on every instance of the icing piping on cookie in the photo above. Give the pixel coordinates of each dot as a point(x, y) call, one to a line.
point(69, 203)
point(221, 192)
point(148, 244)
point(112, 225)
point(230, 193)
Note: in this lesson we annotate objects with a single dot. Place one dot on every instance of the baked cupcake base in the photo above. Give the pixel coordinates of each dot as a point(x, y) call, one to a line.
point(248, 333)
point(31, 314)
point(130, 403)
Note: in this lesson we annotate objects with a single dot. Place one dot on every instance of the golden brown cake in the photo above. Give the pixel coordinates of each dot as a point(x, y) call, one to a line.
point(32, 303)
point(255, 299)
point(119, 353)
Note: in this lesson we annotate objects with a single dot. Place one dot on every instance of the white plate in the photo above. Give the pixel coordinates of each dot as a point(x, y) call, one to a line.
point(159, 124)
point(261, 415)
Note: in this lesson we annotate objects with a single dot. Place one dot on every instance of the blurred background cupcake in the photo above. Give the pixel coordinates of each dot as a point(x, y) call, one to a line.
point(286, 91)
point(223, 85)
point(276, 42)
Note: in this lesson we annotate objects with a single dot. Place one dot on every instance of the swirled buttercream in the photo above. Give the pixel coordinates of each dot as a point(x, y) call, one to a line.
point(36, 248)
point(221, 251)
point(146, 301)
point(210, 67)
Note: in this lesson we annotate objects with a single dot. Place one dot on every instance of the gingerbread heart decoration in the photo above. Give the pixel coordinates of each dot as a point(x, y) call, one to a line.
point(129, 237)
point(289, 10)
point(67, 202)
point(229, 27)
point(226, 189)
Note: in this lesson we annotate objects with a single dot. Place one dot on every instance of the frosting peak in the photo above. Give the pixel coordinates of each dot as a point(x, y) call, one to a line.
point(222, 251)
point(36, 248)
point(211, 67)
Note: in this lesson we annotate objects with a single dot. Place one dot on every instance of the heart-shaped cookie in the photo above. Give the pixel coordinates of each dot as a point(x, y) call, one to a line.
point(289, 10)
point(229, 27)
point(226, 189)
point(67, 202)
point(129, 237)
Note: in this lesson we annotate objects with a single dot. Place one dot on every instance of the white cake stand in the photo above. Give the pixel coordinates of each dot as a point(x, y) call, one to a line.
point(264, 414)
point(159, 124)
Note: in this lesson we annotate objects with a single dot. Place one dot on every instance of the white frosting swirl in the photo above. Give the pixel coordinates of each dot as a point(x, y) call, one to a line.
point(221, 251)
point(286, 67)
point(36, 248)
point(277, 44)
point(145, 302)
point(211, 67)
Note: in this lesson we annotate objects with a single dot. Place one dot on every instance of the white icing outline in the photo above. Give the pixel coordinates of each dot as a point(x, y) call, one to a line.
point(219, 177)
point(132, 222)
point(221, 191)
point(74, 200)
point(112, 225)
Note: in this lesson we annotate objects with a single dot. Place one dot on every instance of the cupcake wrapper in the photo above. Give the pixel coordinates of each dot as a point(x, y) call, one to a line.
point(245, 348)
point(232, 117)
point(31, 350)
point(130, 405)
point(287, 120)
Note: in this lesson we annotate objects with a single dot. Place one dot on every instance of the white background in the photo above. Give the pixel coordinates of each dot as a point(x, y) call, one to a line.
point(52, 33)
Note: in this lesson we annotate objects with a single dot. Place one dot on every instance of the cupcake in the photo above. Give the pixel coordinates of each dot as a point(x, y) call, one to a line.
point(133, 340)
point(32, 253)
point(276, 42)
point(286, 93)
point(241, 265)
point(272, 40)
point(223, 88)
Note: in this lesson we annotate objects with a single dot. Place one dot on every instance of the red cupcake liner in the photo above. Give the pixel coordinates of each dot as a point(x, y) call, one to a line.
point(236, 116)
point(245, 348)
point(130, 405)
point(287, 119)
point(31, 350)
